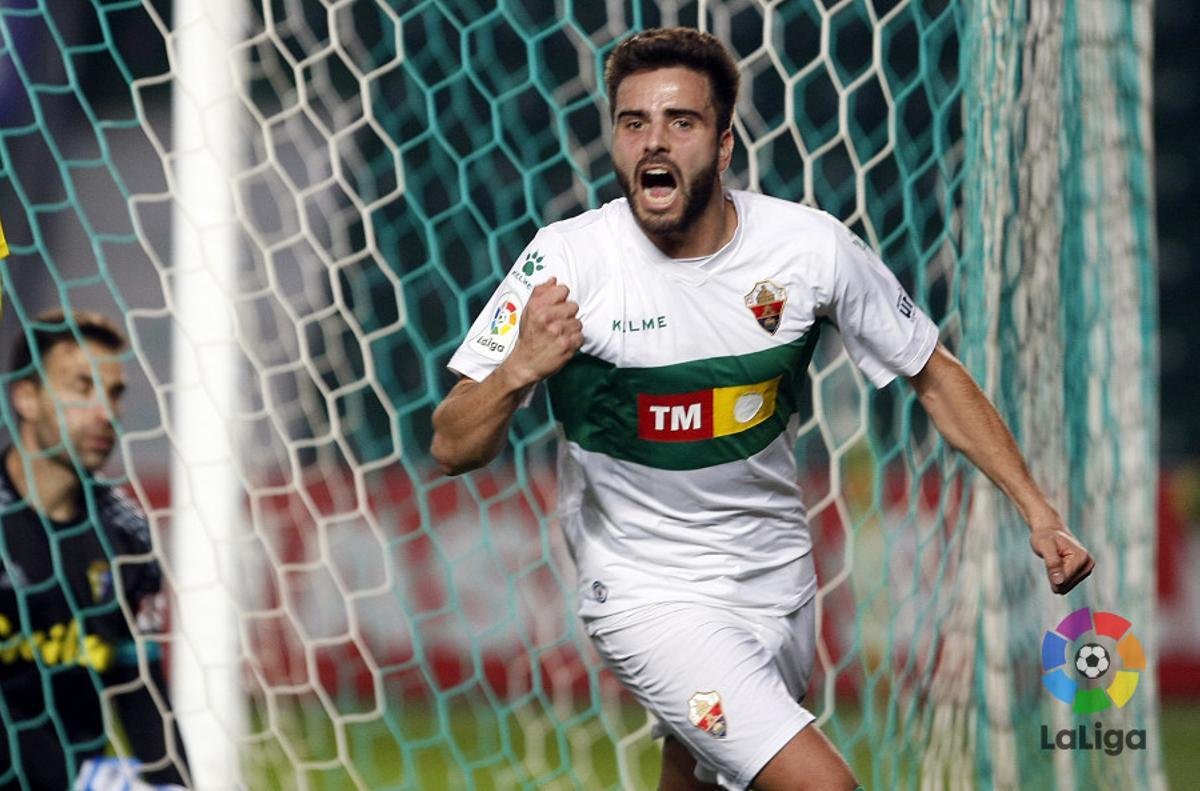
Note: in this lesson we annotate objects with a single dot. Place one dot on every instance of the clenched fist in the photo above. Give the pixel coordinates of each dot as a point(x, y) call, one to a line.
point(550, 333)
point(1067, 562)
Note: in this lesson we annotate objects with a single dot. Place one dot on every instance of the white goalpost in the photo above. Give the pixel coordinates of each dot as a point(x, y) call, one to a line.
point(206, 494)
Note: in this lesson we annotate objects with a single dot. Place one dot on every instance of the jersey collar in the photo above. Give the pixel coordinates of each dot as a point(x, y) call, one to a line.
point(690, 271)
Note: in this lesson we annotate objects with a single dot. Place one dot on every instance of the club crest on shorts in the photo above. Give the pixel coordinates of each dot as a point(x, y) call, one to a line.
point(766, 301)
point(705, 712)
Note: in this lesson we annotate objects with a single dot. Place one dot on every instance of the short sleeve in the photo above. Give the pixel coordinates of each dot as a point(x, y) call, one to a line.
point(884, 332)
point(495, 331)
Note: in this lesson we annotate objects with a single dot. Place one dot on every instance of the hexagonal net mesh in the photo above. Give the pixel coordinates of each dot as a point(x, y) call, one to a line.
point(396, 628)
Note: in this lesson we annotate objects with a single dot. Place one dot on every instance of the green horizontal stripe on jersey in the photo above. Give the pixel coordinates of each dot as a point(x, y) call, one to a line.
point(597, 403)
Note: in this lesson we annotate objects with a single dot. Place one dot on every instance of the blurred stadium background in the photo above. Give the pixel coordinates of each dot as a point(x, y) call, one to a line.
point(390, 628)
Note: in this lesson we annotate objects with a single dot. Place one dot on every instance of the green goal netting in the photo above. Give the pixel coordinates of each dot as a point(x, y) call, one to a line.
point(298, 231)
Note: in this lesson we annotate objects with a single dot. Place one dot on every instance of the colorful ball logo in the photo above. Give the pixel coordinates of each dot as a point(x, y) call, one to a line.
point(505, 317)
point(1091, 661)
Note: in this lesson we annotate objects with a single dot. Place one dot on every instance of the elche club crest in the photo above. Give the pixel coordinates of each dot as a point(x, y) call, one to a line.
point(705, 712)
point(766, 301)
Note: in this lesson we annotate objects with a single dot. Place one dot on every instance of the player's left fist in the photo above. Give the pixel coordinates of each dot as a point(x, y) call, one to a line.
point(1067, 562)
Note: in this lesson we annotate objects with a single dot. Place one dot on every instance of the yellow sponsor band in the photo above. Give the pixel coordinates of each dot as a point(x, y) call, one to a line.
point(735, 409)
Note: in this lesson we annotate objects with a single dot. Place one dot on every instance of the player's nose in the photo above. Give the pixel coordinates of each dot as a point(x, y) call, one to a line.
point(656, 137)
point(101, 412)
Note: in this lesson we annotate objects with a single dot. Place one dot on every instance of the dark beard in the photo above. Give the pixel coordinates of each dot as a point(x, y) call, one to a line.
point(697, 194)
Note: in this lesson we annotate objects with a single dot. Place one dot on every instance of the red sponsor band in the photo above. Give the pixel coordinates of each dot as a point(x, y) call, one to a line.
point(680, 417)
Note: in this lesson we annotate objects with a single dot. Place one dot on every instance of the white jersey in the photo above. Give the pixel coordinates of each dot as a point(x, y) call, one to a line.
point(677, 477)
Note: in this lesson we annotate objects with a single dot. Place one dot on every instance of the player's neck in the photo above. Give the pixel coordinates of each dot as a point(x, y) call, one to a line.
point(55, 488)
point(711, 231)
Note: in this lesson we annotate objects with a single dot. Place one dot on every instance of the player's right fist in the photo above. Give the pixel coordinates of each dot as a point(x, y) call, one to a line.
point(549, 335)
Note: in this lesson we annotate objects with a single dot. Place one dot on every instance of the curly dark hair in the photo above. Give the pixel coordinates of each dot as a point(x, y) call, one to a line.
point(661, 48)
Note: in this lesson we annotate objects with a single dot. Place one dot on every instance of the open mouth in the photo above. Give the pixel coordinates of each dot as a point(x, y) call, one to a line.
point(658, 186)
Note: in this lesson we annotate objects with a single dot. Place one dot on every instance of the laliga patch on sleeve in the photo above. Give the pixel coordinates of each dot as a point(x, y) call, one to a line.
point(498, 337)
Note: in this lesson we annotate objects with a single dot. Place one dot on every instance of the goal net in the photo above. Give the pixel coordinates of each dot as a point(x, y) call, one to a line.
point(297, 208)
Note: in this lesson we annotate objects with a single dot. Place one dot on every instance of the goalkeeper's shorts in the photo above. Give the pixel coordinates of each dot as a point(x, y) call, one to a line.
point(726, 683)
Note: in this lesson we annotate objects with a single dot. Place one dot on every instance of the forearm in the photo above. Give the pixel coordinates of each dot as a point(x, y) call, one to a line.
point(967, 420)
point(470, 426)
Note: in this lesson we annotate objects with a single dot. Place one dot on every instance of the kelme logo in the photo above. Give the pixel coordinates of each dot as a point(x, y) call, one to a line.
point(1092, 661)
point(533, 263)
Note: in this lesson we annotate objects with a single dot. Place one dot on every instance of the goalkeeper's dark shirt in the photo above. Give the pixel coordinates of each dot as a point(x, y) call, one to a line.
point(64, 636)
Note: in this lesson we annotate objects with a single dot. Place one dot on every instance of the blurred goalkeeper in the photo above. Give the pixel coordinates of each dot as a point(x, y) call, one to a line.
point(76, 580)
point(673, 329)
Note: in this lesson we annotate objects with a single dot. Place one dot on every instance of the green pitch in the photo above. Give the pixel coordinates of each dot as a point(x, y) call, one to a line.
point(463, 746)
point(471, 752)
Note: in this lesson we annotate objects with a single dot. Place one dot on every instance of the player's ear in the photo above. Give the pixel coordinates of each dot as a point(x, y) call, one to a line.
point(725, 150)
point(24, 396)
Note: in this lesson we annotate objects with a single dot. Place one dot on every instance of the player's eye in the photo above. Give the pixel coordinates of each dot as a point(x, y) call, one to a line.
point(683, 123)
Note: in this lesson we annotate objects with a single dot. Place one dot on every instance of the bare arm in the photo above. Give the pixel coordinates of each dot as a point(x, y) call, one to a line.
point(969, 422)
point(471, 423)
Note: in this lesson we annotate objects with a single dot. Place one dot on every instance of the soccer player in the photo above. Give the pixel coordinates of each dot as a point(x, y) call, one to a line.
point(73, 563)
point(673, 329)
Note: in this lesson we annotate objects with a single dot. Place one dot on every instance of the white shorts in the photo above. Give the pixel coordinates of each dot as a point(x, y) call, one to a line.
point(726, 683)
